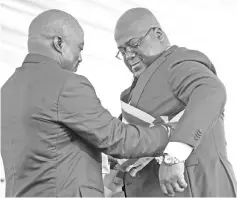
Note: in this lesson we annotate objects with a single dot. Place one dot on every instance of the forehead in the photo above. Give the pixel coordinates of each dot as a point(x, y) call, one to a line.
point(134, 23)
point(78, 36)
point(122, 37)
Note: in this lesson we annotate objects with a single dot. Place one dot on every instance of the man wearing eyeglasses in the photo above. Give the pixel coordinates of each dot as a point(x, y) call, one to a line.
point(169, 80)
point(53, 126)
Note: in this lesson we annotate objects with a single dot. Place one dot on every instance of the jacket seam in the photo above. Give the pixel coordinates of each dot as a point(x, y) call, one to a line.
point(59, 94)
point(228, 174)
point(172, 90)
point(219, 155)
point(56, 151)
point(100, 139)
point(14, 175)
point(189, 181)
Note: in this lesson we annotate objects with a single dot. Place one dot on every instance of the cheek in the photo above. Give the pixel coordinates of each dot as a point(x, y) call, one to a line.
point(149, 50)
point(70, 55)
point(69, 59)
point(66, 53)
point(75, 55)
point(128, 66)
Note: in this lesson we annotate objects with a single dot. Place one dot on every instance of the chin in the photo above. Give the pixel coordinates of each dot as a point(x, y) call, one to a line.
point(139, 73)
point(75, 69)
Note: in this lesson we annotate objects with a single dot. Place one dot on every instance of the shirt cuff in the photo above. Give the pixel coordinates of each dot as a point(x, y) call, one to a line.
point(179, 150)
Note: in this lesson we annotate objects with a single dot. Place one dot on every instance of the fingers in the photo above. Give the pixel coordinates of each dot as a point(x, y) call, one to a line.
point(163, 189)
point(133, 172)
point(138, 166)
point(172, 125)
point(167, 189)
point(176, 187)
point(181, 181)
point(170, 187)
point(179, 184)
point(172, 179)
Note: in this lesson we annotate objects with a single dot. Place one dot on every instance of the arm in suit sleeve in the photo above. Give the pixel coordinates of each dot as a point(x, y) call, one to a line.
point(204, 97)
point(80, 110)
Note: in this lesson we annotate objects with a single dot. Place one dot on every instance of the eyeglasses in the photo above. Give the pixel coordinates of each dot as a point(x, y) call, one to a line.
point(132, 44)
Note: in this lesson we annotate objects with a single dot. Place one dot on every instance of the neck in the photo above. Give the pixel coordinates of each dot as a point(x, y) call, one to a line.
point(41, 48)
point(166, 47)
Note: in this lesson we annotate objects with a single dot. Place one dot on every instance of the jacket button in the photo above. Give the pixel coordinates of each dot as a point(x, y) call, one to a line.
point(196, 137)
point(200, 131)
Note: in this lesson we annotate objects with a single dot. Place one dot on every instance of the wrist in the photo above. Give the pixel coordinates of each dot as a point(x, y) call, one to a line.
point(179, 150)
point(170, 160)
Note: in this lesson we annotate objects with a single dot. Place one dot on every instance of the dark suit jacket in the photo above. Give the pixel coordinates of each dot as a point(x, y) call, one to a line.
point(186, 79)
point(54, 130)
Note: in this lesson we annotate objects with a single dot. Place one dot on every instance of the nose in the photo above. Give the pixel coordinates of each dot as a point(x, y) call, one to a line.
point(80, 58)
point(129, 55)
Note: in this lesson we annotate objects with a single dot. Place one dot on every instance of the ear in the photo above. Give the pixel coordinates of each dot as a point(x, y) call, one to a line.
point(160, 34)
point(58, 43)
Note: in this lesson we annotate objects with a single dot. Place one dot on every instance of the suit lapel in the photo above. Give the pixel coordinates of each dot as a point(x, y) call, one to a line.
point(143, 80)
point(145, 77)
point(127, 93)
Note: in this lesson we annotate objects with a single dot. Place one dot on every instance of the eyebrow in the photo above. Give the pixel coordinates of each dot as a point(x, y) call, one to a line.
point(124, 45)
point(128, 42)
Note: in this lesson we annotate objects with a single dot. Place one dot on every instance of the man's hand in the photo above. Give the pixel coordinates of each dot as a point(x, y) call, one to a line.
point(172, 178)
point(112, 184)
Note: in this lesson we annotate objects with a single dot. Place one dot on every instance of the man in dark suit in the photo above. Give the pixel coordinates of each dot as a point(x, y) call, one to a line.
point(169, 80)
point(53, 126)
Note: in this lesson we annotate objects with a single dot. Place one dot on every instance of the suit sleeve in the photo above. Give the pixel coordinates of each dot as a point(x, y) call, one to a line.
point(204, 96)
point(80, 110)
